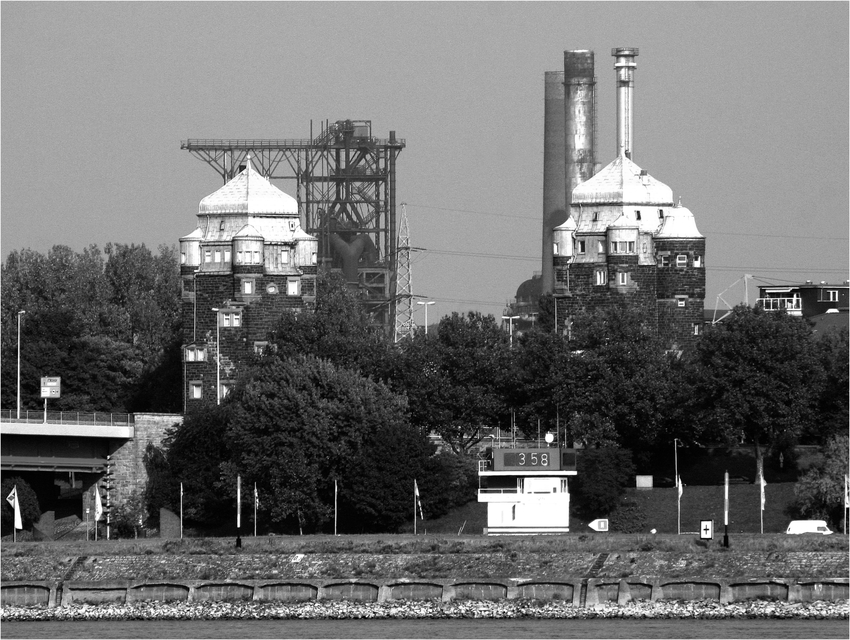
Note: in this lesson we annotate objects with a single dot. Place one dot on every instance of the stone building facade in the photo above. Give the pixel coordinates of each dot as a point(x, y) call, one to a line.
point(246, 262)
point(626, 241)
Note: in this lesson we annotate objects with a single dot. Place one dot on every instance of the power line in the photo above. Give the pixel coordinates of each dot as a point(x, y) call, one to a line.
point(501, 256)
point(714, 233)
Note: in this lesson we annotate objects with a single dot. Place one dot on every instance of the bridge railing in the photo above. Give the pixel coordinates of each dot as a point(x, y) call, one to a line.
point(68, 417)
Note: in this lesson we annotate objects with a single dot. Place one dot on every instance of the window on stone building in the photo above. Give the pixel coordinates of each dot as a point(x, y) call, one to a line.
point(195, 354)
point(256, 257)
point(292, 225)
point(221, 226)
point(314, 258)
point(284, 256)
point(664, 261)
point(680, 302)
point(292, 287)
point(600, 246)
point(637, 215)
point(660, 214)
point(247, 287)
point(601, 277)
point(230, 319)
point(272, 288)
point(556, 249)
point(623, 278)
point(227, 255)
point(182, 257)
point(196, 390)
point(697, 261)
point(833, 295)
point(697, 328)
point(207, 256)
point(260, 347)
point(681, 260)
point(218, 255)
point(631, 247)
point(596, 216)
point(580, 246)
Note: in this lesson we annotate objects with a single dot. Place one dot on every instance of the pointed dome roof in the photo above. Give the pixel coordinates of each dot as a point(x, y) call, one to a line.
point(250, 193)
point(197, 234)
point(623, 222)
point(567, 225)
point(679, 223)
point(622, 182)
point(248, 231)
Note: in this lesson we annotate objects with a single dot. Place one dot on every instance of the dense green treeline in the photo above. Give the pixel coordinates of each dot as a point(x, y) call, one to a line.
point(107, 322)
point(332, 402)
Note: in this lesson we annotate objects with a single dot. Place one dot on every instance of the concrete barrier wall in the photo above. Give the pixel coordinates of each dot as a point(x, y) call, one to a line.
point(577, 591)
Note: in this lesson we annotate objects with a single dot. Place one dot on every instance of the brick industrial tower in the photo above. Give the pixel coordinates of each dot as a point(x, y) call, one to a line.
point(247, 261)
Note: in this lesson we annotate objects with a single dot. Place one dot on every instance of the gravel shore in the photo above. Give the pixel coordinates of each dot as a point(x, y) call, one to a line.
point(403, 610)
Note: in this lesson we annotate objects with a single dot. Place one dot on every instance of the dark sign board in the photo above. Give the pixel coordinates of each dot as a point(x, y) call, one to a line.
point(542, 459)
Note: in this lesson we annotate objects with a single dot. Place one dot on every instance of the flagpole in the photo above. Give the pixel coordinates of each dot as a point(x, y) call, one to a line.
point(238, 511)
point(335, 504)
point(14, 528)
point(678, 506)
point(414, 507)
point(762, 485)
point(726, 510)
point(181, 510)
point(255, 509)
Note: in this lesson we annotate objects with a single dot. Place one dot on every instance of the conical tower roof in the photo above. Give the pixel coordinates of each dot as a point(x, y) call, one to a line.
point(679, 223)
point(622, 182)
point(251, 193)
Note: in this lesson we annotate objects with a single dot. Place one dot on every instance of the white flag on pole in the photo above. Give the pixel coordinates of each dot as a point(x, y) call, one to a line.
point(12, 499)
point(256, 497)
point(238, 501)
point(98, 505)
point(418, 501)
point(762, 485)
point(679, 484)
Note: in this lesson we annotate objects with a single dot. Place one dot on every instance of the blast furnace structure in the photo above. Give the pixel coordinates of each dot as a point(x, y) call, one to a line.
point(344, 184)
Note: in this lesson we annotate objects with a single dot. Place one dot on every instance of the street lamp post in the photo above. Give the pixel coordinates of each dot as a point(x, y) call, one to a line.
point(676, 443)
point(217, 357)
point(426, 304)
point(20, 313)
point(510, 320)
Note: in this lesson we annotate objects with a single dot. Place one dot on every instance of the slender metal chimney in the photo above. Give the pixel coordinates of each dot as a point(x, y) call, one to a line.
point(625, 67)
point(555, 198)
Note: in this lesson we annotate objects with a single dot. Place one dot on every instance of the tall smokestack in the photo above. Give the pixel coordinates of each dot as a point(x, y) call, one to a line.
point(580, 112)
point(555, 208)
point(625, 67)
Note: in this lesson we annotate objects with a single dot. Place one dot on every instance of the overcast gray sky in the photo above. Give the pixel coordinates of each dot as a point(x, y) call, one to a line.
point(741, 108)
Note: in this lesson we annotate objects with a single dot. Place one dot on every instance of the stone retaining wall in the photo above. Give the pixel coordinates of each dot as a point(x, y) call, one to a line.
point(577, 591)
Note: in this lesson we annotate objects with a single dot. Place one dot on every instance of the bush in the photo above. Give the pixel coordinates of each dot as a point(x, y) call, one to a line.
point(628, 517)
point(27, 503)
point(128, 517)
point(603, 475)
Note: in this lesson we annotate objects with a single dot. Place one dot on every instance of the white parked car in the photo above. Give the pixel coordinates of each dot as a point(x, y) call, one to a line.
point(808, 526)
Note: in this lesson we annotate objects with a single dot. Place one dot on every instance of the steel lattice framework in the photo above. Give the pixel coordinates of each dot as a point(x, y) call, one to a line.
point(345, 185)
point(405, 326)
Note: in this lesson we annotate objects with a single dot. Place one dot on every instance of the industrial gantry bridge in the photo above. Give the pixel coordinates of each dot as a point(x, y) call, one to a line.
point(345, 183)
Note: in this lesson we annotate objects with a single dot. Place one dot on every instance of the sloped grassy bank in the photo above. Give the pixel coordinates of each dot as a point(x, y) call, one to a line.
point(403, 556)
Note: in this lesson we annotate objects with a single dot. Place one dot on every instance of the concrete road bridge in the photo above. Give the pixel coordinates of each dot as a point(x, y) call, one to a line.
point(64, 455)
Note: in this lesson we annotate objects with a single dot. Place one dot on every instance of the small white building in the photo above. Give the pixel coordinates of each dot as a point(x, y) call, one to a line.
point(526, 489)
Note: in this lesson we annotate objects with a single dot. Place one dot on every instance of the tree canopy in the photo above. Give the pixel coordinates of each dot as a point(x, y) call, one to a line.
point(108, 326)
